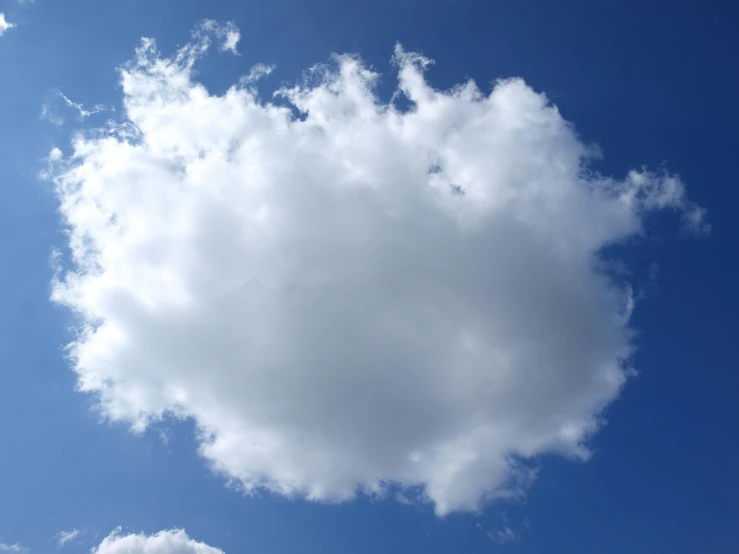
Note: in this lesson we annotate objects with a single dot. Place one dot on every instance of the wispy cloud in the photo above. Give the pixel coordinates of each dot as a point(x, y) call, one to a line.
point(227, 33)
point(63, 537)
point(97, 108)
point(48, 113)
point(257, 72)
point(50, 109)
point(12, 548)
point(503, 535)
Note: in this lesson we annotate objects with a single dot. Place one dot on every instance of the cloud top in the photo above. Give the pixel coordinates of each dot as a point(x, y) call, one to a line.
point(175, 541)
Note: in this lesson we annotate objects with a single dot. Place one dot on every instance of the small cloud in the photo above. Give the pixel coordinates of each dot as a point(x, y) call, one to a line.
point(97, 108)
point(506, 534)
point(50, 111)
point(163, 542)
point(63, 537)
point(257, 72)
point(695, 220)
point(4, 25)
point(52, 160)
point(12, 547)
point(227, 33)
point(231, 40)
point(164, 436)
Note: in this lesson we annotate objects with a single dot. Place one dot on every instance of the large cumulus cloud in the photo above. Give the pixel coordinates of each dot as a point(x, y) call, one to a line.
point(354, 295)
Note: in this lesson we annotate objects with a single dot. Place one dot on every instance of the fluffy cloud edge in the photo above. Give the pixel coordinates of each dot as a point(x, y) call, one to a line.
point(4, 24)
point(173, 541)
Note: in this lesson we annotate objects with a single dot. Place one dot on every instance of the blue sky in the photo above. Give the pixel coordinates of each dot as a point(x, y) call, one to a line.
point(651, 83)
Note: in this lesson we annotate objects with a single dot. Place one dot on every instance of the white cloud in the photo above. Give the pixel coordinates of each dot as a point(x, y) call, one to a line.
point(227, 33)
point(79, 108)
point(63, 537)
point(163, 542)
point(356, 297)
point(4, 25)
point(258, 71)
point(50, 111)
point(11, 548)
point(55, 155)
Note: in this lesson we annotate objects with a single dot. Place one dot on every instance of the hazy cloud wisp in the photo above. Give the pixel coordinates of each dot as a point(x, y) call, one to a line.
point(63, 537)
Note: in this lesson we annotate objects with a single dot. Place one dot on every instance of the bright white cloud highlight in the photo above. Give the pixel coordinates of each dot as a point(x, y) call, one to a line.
point(63, 537)
point(4, 25)
point(357, 296)
point(163, 542)
point(11, 548)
